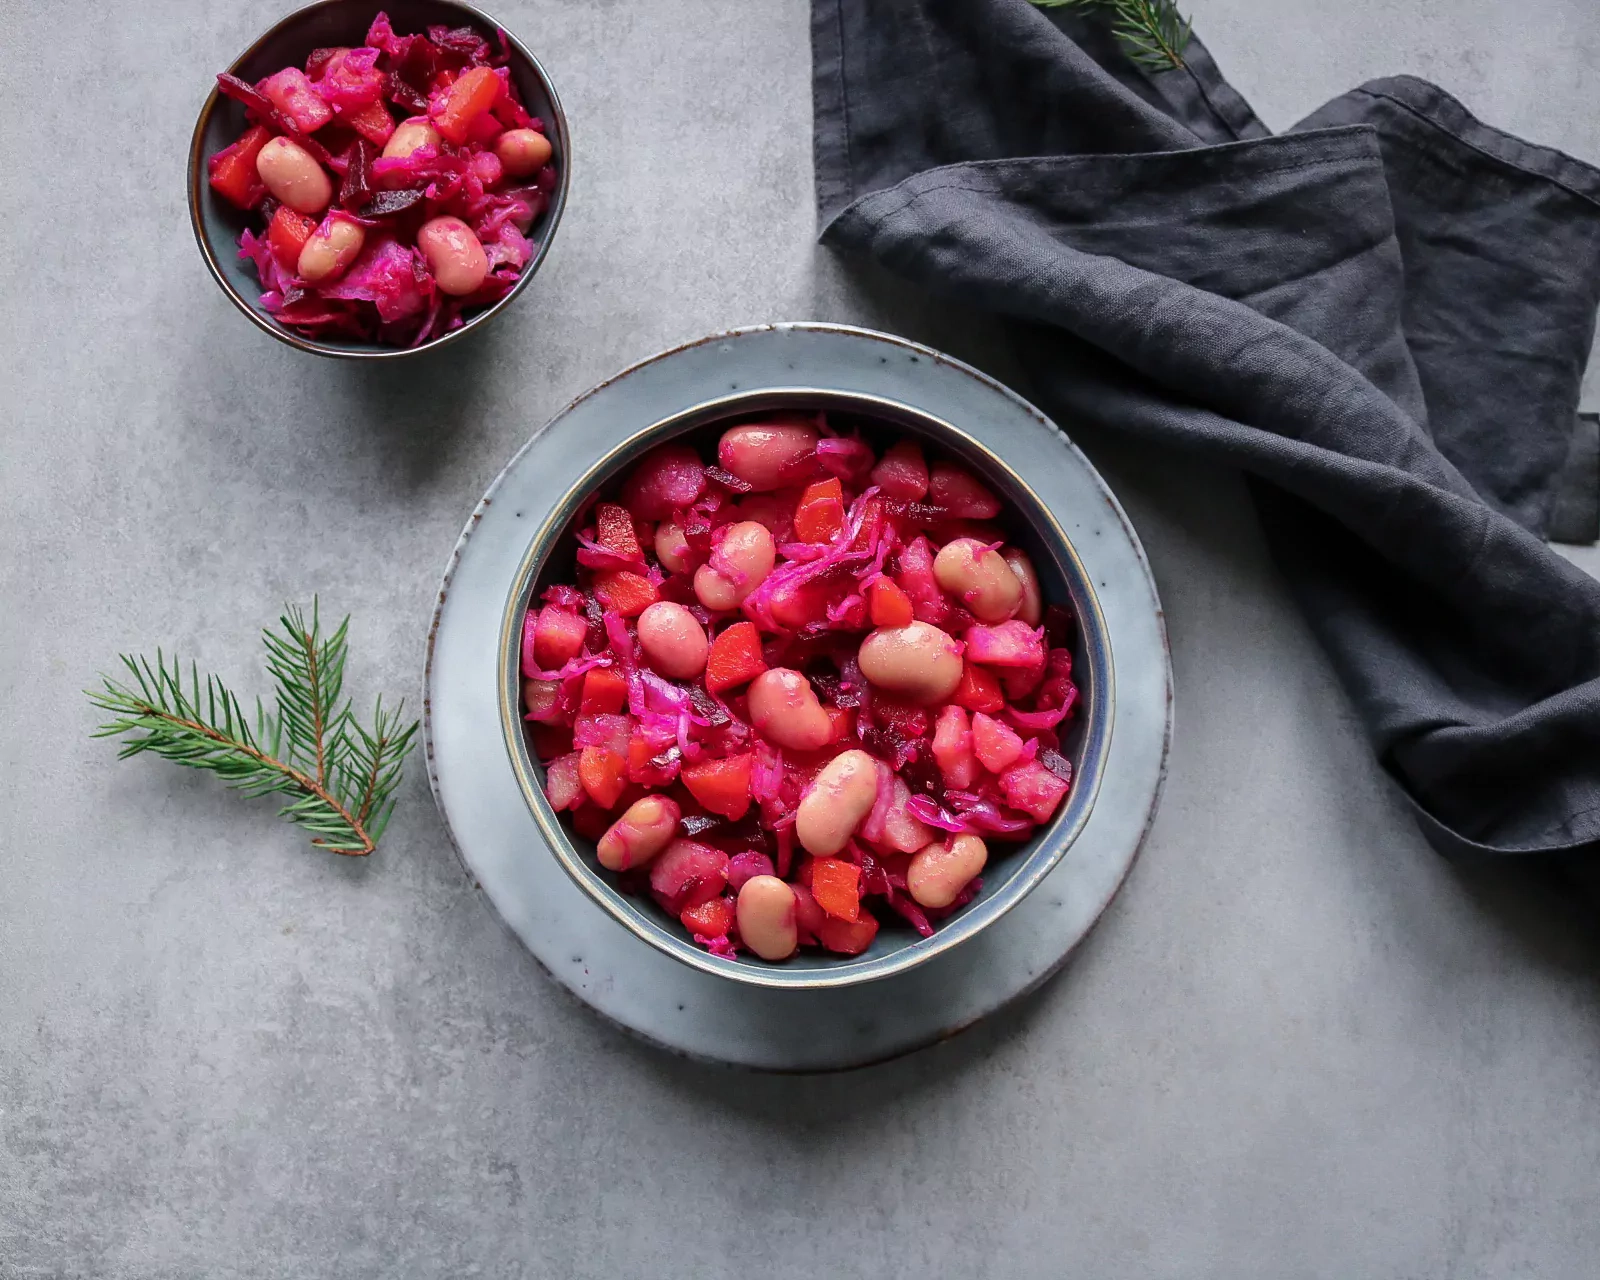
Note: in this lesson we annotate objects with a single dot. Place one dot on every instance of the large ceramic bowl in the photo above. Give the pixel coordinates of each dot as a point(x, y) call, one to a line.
point(590, 467)
point(331, 23)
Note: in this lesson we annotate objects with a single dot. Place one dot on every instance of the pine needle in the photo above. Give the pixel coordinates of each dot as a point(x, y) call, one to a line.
point(1152, 32)
point(338, 778)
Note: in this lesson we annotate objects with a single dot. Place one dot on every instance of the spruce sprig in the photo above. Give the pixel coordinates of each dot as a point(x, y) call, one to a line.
point(339, 776)
point(1152, 32)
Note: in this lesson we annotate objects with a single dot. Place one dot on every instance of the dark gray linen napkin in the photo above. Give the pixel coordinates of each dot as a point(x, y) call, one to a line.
point(1382, 317)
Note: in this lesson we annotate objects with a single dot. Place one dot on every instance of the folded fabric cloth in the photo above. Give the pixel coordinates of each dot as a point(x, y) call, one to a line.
point(1382, 317)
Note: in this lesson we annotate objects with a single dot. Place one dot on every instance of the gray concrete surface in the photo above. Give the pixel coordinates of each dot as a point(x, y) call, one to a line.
point(1297, 1046)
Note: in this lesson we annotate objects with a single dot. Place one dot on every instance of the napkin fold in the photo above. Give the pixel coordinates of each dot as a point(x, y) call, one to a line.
point(1382, 317)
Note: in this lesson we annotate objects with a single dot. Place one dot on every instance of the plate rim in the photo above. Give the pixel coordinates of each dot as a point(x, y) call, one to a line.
point(1156, 785)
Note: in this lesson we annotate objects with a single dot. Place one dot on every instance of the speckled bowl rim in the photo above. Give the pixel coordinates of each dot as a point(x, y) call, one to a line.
point(1039, 855)
point(547, 227)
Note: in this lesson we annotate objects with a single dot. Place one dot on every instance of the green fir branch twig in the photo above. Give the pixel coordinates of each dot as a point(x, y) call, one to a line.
point(1152, 32)
point(338, 778)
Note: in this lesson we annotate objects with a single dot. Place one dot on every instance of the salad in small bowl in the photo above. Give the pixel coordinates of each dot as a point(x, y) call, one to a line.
point(374, 181)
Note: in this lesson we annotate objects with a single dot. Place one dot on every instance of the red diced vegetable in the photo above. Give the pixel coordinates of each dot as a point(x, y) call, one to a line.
point(1006, 644)
point(996, 745)
point(902, 830)
point(747, 866)
point(372, 121)
point(665, 480)
point(958, 492)
point(902, 473)
point(293, 94)
point(916, 579)
point(541, 700)
point(721, 786)
point(735, 658)
point(562, 785)
point(688, 873)
point(979, 690)
point(836, 885)
point(846, 938)
point(233, 169)
point(605, 691)
point(648, 765)
point(469, 97)
point(559, 637)
point(820, 514)
point(615, 532)
point(550, 741)
point(808, 916)
point(630, 594)
point(603, 774)
point(908, 721)
point(1032, 788)
point(952, 748)
point(589, 822)
point(710, 919)
point(602, 729)
point(287, 233)
point(890, 606)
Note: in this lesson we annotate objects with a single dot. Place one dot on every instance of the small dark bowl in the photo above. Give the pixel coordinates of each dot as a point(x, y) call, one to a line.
point(217, 224)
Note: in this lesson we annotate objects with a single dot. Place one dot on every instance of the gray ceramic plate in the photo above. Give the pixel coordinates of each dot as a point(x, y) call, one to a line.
point(623, 978)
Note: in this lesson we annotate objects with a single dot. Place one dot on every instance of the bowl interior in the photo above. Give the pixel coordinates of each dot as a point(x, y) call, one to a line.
point(218, 223)
point(1013, 869)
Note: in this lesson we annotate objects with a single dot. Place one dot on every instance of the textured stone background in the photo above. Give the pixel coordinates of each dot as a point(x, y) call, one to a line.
point(1298, 1044)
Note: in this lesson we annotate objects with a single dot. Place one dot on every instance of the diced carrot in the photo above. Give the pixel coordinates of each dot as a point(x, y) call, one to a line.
point(721, 786)
point(470, 96)
point(562, 785)
point(605, 690)
point(836, 885)
point(846, 938)
point(820, 514)
point(371, 120)
point(735, 657)
point(843, 720)
point(630, 594)
point(601, 771)
point(615, 531)
point(233, 169)
point(996, 745)
point(642, 767)
point(709, 919)
point(890, 606)
point(978, 691)
point(794, 605)
point(287, 233)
